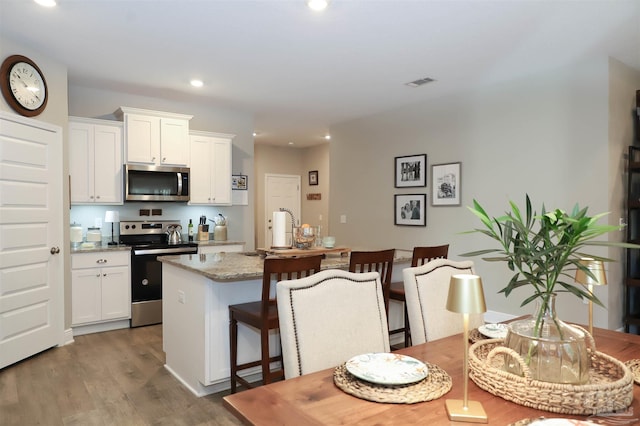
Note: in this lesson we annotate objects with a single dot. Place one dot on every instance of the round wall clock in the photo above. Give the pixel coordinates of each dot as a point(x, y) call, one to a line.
point(23, 85)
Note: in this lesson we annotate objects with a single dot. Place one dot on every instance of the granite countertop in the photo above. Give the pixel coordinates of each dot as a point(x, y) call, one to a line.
point(90, 248)
point(245, 266)
point(218, 243)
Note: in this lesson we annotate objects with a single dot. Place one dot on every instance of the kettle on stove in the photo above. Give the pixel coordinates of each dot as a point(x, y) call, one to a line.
point(174, 234)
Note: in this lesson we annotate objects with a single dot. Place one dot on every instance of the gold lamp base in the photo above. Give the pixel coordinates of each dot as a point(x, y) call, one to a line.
point(473, 413)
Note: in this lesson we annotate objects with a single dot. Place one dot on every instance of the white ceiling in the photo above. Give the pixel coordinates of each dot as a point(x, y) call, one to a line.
point(298, 71)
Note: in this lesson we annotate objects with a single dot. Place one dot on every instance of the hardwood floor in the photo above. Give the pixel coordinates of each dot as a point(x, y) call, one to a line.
point(111, 378)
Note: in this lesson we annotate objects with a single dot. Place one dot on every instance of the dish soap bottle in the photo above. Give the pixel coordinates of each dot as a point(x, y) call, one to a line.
point(190, 230)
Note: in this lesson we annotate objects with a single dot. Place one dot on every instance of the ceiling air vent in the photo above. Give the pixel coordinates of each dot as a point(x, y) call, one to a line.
point(420, 82)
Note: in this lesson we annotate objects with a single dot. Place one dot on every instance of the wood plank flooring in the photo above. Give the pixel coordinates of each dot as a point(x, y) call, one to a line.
point(111, 378)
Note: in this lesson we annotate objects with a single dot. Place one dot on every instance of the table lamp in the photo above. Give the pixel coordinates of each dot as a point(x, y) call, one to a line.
point(112, 217)
point(466, 296)
point(595, 277)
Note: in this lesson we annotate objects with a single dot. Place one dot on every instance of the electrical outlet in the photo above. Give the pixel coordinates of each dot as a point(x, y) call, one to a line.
point(181, 297)
point(343, 218)
point(98, 222)
point(320, 217)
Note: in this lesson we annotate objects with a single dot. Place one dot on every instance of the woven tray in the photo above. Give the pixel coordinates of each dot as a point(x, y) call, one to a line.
point(436, 384)
point(634, 366)
point(610, 385)
point(476, 336)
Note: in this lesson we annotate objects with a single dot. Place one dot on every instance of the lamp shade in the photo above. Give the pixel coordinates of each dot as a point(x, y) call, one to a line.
point(466, 295)
point(596, 267)
point(111, 216)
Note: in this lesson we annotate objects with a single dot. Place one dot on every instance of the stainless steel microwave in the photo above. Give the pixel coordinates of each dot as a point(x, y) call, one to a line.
point(156, 183)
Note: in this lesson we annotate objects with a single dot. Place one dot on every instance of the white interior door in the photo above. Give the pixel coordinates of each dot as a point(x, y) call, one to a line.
point(281, 191)
point(31, 260)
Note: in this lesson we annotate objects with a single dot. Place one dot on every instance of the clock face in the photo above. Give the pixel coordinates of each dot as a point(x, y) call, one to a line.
point(23, 85)
point(27, 86)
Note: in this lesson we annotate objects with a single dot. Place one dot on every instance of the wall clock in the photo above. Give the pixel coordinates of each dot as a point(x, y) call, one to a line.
point(23, 85)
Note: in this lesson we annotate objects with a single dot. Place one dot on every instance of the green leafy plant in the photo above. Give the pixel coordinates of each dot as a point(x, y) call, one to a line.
point(543, 250)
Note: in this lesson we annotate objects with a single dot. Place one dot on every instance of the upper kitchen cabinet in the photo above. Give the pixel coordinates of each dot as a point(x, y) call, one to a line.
point(155, 137)
point(210, 181)
point(95, 161)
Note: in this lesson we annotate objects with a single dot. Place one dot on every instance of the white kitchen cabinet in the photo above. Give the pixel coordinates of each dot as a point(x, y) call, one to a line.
point(155, 137)
point(210, 181)
point(95, 161)
point(100, 287)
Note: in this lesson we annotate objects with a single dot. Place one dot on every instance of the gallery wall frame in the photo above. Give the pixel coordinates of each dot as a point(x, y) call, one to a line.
point(447, 184)
point(313, 177)
point(410, 209)
point(410, 171)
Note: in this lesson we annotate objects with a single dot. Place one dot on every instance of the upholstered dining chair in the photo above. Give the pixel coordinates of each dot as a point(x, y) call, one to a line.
point(421, 255)
point(380, 261)
point(426, 288)
point(329, 317)
point(263, 316)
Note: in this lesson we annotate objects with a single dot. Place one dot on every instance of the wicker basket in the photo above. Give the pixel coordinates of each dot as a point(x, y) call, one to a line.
point(610, 385)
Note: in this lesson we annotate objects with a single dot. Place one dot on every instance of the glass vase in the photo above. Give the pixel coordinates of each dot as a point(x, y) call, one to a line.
point(553, 350)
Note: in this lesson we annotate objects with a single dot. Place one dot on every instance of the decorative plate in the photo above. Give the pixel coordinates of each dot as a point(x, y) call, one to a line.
point(387, 368)
point(634, 366)
point(494, 331)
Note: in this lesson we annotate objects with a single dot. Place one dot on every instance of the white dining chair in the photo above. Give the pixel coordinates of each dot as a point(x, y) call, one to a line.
point(426, 288)
point(329, 317)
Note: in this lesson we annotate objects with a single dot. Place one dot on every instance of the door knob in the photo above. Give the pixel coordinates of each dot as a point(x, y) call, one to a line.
point(55, 250)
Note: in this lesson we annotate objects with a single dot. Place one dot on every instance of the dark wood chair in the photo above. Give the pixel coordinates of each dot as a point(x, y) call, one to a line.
point(263, 315)
point(421, 255)
point(379, 261)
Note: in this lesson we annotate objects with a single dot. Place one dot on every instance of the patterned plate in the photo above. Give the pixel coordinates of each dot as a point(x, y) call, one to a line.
point(387, 369)
point(494, 331)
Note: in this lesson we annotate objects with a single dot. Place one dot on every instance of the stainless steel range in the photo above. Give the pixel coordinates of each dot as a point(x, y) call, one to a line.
point(148, 240)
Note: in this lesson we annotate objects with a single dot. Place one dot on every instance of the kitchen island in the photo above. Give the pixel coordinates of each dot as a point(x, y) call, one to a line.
point(197, 291)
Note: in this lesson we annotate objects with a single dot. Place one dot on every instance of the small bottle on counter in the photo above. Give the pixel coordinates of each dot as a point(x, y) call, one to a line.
point(190, 230)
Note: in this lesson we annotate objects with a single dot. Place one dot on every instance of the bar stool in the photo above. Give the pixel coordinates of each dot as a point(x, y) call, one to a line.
point(263, 315)
point(421, 255)
point(379, 261)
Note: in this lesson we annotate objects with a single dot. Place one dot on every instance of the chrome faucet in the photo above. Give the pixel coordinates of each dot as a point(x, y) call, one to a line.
point(293, 224)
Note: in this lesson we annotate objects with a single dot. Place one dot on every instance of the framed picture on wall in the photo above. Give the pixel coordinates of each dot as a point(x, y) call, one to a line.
point(411, 171)
point(313, 177)
point(410, 209)
point(446, 183)
point(239, 182)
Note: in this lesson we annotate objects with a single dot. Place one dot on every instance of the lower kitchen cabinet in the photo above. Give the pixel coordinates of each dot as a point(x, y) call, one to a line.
point(100, 287)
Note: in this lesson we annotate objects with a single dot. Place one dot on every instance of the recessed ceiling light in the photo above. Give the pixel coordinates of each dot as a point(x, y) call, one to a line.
point(197, 83)
point(290, 143)
point(255, 134)
point(318, 5)
point(46, 3)
point(327, 137)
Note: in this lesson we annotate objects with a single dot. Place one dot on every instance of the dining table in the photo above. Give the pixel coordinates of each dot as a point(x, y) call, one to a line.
point(314, 399)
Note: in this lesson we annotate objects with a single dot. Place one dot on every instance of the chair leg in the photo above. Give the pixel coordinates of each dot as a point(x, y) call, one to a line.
point(233, 339)
point(407, 332)
point(264, 344)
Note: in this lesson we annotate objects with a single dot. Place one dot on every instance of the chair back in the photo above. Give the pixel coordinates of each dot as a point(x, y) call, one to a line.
point(278, 269)
point(422, 255)
point(329, 317)
point(379, 261)
point(426, 290)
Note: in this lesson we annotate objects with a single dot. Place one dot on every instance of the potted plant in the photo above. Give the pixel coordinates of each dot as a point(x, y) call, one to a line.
point(544, 251)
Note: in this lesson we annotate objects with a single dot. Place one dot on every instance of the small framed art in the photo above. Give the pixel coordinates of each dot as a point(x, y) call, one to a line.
point(313, 177)
point(410, 209)
point(446, 183)
point(411, 171)
point(239, 182)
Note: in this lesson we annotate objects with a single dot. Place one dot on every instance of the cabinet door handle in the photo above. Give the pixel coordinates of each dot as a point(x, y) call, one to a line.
point(97, 197)
point(98, 276)
point(91, 197)
point(104, 275)
point(164, 159)
point(101, 261)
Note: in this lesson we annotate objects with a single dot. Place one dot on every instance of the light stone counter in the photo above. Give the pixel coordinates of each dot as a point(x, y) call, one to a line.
point(197, 292)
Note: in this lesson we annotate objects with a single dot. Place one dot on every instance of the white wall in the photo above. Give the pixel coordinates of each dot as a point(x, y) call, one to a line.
point(546, 135)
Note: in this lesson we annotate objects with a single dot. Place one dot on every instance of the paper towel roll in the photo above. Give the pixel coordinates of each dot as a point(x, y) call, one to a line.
point(279, 229)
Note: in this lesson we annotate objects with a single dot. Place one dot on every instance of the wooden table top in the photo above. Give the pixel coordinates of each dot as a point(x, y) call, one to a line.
point(314, 399)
